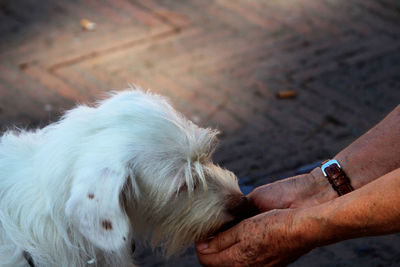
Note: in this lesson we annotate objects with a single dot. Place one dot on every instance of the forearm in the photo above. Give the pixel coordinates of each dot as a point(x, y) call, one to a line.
point(375, 153)
point(372, 210)
point(369, 157)
point(372, 155)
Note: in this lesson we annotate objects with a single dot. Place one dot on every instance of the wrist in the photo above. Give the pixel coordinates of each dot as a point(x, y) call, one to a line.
point(314, 225)
point(324, 190)
point(315, 189)
point(307, 227)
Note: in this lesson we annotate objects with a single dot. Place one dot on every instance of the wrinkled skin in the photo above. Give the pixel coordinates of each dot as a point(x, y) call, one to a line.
point(267, 239)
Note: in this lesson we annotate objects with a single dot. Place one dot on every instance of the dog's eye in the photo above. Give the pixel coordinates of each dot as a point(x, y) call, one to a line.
point(184, 188)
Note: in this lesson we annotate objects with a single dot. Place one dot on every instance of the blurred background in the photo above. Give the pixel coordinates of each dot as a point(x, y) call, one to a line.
point(288, 82)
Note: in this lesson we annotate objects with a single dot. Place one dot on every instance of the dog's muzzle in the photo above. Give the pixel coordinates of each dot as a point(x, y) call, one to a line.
point(240, 208)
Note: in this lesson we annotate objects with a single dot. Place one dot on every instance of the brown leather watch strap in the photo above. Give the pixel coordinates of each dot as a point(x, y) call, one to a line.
point(336, 177)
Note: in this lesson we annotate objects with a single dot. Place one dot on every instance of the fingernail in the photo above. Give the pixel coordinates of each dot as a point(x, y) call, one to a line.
point(202, 246)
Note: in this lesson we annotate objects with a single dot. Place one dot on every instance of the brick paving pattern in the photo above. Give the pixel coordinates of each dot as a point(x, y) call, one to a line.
point(221, 63)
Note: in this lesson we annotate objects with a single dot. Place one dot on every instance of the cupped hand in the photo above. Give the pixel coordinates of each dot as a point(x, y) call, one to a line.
point(267, 239)
point(300, 191)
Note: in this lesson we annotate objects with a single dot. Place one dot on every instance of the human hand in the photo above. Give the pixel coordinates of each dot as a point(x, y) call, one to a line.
point(267, 239)
point(300, 191)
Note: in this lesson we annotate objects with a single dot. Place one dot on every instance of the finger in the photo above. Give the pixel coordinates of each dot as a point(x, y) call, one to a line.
point(258, 198)
point(256, 191)
point(227, 257)
point(221, 241)
point(259, 193)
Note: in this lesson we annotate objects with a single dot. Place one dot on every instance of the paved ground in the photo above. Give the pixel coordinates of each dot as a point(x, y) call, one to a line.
point(222, 63)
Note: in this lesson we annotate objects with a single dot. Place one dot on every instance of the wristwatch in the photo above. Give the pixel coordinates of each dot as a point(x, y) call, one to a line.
point(336, 177)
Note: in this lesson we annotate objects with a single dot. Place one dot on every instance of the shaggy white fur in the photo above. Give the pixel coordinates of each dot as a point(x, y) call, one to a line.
point(77, 192)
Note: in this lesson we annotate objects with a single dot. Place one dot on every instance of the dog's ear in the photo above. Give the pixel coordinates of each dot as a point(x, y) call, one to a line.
point(94, 208)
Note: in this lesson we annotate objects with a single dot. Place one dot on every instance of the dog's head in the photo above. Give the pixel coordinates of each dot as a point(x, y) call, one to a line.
point(145, 171)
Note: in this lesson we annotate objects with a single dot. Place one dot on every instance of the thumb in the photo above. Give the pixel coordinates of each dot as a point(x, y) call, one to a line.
point(220, 242)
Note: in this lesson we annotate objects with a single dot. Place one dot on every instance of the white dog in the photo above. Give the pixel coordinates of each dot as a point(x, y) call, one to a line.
point(78, 191)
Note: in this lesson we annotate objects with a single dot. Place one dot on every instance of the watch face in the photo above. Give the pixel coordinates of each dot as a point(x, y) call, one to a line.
point(327, 164)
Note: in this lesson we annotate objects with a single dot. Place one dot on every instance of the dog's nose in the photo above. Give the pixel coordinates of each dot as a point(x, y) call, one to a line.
point(240, 207)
